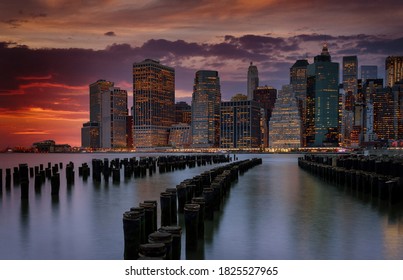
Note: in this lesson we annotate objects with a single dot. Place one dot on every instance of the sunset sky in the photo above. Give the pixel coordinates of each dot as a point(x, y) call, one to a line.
point(51, 50)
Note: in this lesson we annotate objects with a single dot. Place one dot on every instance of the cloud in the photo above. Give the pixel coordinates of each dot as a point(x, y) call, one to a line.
point(31, 132)
point(110, 34)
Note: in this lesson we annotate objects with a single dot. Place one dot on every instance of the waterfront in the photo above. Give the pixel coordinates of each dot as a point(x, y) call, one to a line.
point(274, 211)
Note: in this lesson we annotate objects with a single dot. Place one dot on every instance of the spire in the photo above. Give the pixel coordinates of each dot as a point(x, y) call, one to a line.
point(325, 50)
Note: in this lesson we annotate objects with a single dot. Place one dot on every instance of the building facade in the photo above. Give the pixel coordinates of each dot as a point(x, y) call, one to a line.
point(113, 118)
point(180, 135)
point(153, 102)
point(240, 124)
point(183, 112)
point(285, 122)
point(206, 101)
point(90, 135)
point(393, 70)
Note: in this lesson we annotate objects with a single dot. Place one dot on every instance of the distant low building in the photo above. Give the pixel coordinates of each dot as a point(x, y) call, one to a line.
point(50, 146)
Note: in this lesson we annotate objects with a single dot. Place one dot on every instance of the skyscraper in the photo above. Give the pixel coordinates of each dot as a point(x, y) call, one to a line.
point(253, 80)
point(369, 72)
point(154, 103)
point(266, 97)
point(393, 70)
point(350, 74)
point(298, 77)
point(96, 91)
point(206, 101)
point(108, 116)
point(240, 124)
point(298, 72)
point(285, 121)
point(322, 101)
point(113, 118)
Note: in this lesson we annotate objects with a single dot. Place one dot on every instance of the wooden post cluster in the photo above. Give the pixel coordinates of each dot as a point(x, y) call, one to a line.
point(380, 177)
point(195, 198)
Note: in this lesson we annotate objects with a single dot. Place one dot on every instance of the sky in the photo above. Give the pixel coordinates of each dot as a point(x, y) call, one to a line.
point(51, 50)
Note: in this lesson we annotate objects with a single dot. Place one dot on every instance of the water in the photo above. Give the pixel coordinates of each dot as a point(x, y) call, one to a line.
point(274, 211)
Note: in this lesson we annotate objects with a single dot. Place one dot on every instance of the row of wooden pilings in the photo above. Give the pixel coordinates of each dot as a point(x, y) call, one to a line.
point(196, 199)
point(380, 177)
point(133, 167)
point(144, 166)
point(21, 176)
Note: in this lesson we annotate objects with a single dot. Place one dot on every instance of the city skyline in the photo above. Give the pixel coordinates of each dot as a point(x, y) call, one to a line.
point(50, 53)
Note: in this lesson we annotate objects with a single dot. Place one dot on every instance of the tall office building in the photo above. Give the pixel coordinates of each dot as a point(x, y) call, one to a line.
point(97, 89)
point(253, 80)
point(91, 131)
point(240, 124)
point(393, 70)
point(206, 101)
point(369, 72)
point(369, 90)
point(266, 97)
point(350, 74)
point(113, 118)
point(298, 77)
point(298, 72)
point(383, 114)
point(154, 103)
point(322, 118)
point(285, 122)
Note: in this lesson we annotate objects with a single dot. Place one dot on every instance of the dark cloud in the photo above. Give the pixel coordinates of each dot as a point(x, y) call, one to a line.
point(381, 46)
point(110, 33)
point(15, 22)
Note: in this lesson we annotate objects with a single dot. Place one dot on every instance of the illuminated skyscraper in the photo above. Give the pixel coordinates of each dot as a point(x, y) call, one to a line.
point(113, 118)
point(206, 101)
point(369, 72)
point(350, 74)
point(393, 70)
point(298, 76)
point(154, 103)
point(322, 101)
point(240, 124)
point(285, 121)
point(253, 80)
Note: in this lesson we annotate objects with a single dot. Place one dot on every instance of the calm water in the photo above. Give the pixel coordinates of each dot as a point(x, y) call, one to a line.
point(274, 211)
